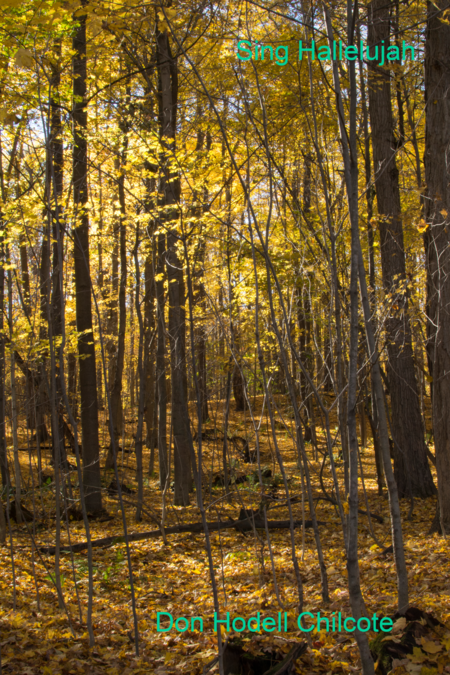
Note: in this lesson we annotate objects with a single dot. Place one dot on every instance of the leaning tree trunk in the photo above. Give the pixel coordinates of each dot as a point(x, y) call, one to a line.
point(169, 194)
point(86, 347)
point(412, 472)
point(437, 213)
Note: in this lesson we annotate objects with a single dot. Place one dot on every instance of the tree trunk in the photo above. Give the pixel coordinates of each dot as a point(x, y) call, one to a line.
point(411, 469)
point(161, 365)
point(56, 178)
point(3, 455)
point(437, 213)
point(112, 321)
point(86, 347)
point(116, 390)
point(72, 380)
point(149, 357)
point(169, 196)
point(200, 197)
point(352, 194)
point(100, 282)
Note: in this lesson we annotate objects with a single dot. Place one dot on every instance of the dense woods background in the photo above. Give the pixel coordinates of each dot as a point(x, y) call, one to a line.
point(224, 290)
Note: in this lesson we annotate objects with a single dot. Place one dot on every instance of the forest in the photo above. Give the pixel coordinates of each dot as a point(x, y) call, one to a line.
point(224, 330)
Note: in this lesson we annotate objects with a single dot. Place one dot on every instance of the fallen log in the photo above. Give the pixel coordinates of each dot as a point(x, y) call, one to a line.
point(240, 525)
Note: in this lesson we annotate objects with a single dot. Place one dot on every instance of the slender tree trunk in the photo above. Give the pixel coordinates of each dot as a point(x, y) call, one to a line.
point(350, 166)
point(199, 273)
point(141, 388)
point(131, 367)
point(149, 358)
point(44, 296)
point(3, 455)
point(14, 420)
point(238, 377)
point(112, 320)
point(161, 365)
point(169, 196)
point(100, 282)
point(72, 382)
point(86, 347)
point(25, 274)
point(56, 166)
point(116, 390)
point(411, 469)
point(437, 213)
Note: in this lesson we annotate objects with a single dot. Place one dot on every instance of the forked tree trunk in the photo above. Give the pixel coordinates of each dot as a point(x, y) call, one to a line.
point(437, 213)
point(86, 346)
point(411, 469)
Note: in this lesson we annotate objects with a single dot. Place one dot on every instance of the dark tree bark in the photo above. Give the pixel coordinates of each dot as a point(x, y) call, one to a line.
point(56, 154)
point(238, 389)
point(150, 322)
point(200, 198)
point(112, 316)
point(437, 213)
point(100, 282)
point(411, 468)
point(200, 335)
point(161, 364)
point(149, 357)
point(44, 295)
point(370, 194)
point(116, 390)
point(72, 380)
point(86, 347)
point(25, 274)
point(169, 194)
point(3, 455)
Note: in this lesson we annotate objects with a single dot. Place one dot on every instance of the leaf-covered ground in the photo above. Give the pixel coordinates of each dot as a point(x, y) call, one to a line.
point(37, 637)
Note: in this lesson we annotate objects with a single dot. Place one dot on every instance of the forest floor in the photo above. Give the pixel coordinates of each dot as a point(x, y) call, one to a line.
point(37, 637)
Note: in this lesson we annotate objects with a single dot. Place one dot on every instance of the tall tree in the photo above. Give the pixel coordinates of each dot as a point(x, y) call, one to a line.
point(56, 180)
point(116, 389)
point(86, 346)
point(437, 214)
point(411, 468)
point(169, 192)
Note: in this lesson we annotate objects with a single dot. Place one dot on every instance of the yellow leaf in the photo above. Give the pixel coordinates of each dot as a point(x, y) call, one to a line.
point(444, 213)
point(8, 117)
point(422, 226)
point(24, 58)
point(418, 656)
point(430, 646)
point(399, 625)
